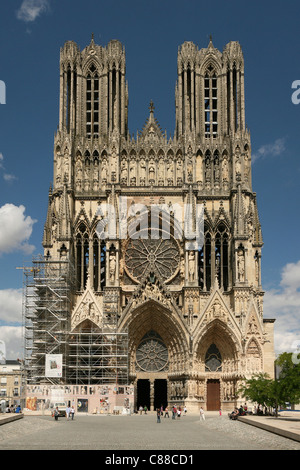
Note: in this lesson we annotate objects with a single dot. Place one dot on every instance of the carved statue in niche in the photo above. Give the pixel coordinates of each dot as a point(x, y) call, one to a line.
point(189, 166)
point(78, 173)
point(112, 267)
point(179, 172)
point(238, 165)
point(58, 168)
point(96, 174)
point(124, 171)
point(152, 172)
point(170, 173)
point(225, 172)
point(132, 173)
point(207, 171)
point(216, 170)
point(161, 173)
point(66, 165)
point(192, 266)
point(142, 172)
point(104, 171)
point(241, 265)
point(113, 160)
point(247, 166)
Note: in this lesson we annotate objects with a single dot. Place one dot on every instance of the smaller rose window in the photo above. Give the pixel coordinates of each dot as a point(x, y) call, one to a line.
point(152, 354)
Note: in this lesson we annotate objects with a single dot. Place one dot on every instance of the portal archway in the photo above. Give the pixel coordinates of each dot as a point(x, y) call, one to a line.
point(157, 347)
point(216, 359)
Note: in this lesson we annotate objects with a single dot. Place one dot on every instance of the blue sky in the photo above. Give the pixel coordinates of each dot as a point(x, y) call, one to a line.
point(31, 34)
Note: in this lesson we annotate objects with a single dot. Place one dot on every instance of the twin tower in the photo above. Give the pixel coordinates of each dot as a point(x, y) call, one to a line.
point(209, 92)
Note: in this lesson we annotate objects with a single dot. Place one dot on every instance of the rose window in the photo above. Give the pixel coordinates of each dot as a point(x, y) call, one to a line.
point(152, 354)
point(158, 256)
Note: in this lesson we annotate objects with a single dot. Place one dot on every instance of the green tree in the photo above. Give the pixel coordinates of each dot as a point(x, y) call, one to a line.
point(275, 393)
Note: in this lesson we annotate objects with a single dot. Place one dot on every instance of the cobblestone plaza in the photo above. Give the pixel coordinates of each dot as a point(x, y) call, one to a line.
point(141, 433)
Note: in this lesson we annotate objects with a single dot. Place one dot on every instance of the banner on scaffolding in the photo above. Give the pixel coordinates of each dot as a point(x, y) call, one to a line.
point(53, 366)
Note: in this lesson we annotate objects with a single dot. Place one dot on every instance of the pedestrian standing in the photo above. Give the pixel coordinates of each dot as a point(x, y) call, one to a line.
point(72, 412)
point(158, 414)
point(167, 412)
point(56, 414)
point(202, 415)
point(68, 412)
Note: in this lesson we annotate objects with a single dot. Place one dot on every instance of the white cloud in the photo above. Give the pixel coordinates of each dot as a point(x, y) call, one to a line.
point(13, 339)
point(11, 305)
point(31, 9)
point(269, 150)
point(15, 229)
point(283, 304)
point(9, 177)
point(6, 176)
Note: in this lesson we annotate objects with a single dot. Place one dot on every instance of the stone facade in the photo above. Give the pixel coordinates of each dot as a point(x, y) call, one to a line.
point(194, 317)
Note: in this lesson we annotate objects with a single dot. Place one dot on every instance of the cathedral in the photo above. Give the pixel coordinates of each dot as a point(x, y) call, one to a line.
point(159, 237)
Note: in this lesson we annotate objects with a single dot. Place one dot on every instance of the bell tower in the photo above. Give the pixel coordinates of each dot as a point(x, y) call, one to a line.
point(209, 95)
point(93, 91)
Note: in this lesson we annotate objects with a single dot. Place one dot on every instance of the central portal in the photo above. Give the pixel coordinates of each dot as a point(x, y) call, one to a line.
point(153, 395)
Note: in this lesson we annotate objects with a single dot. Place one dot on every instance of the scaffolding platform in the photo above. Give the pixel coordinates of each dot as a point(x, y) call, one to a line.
point(90, 356)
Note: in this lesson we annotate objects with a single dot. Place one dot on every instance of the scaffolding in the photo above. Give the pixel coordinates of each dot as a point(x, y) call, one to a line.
point(47, 306)
point(89, 356)
point(98, 357)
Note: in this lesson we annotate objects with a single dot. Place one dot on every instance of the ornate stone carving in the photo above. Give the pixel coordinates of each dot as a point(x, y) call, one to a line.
point(160, 257)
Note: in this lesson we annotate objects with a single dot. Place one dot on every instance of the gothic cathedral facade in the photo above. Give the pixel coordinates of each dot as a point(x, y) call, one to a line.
point(194, 317)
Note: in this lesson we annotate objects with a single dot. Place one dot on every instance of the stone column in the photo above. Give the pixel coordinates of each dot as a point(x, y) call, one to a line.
point(151, 395)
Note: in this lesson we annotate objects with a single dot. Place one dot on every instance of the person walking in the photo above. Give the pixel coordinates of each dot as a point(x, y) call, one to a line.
point(56, 414)
point(72, 412)
point(158, 414)
point(167, 412)
point(68, 410)
point(202, 415)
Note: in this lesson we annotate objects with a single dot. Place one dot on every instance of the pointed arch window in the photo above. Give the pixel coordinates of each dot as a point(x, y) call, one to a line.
point(211, 103)
point(222, 253)
point(92, 102)
point(213, 359)
point(99, 263)
point(81, 256)
point(204, 262)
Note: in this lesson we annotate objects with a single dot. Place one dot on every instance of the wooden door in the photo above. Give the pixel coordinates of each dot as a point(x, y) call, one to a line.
point(213, 395)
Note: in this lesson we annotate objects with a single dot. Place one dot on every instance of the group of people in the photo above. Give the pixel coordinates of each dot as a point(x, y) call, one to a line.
point(241, 411)
point(176, 412)
point(13, 409)
point(70, 411)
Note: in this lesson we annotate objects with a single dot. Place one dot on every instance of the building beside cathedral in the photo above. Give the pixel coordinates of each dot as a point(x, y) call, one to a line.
point(118, 300)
